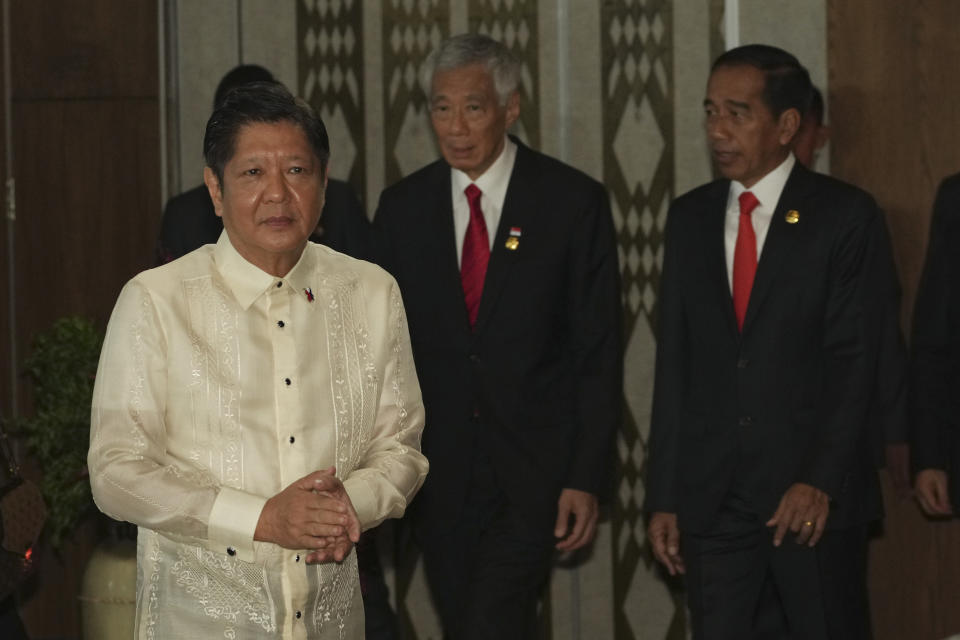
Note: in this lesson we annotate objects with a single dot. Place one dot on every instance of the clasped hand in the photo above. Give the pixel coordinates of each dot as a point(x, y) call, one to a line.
point(313, 513)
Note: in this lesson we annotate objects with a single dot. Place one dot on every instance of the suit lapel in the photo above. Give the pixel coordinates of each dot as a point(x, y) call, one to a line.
point(781, 237)
point(442, 244)
point(517, 207)
point(717, 252)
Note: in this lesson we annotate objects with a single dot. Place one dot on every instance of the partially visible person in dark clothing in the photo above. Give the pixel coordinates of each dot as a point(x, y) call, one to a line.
point(189, 221)
point(936, 356)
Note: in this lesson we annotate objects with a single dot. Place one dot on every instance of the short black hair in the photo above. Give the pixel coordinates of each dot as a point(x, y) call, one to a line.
point(239, 76)
point(786, 82)
point(268, 102)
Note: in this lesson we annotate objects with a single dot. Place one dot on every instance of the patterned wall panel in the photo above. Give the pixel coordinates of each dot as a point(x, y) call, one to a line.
point(330, 72)
point(514, 23)
point(638, 171)
point(411, 30)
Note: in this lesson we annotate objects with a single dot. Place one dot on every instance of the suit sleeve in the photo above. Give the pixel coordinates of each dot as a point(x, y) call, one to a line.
point(595, 330)
point(888, 398)
point(668, 378)
point(933, 411)
point(845, 360)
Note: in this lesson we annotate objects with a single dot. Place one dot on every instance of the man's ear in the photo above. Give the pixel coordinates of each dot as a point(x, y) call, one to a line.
point(789, 124)
point(213, 187)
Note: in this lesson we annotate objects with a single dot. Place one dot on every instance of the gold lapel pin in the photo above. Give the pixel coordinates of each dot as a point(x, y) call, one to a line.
point(512, 243)
point(792, 217)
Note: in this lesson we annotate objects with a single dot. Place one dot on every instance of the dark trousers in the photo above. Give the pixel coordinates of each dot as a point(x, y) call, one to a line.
point(488, 570)
point(380, 621)
point(741, 587)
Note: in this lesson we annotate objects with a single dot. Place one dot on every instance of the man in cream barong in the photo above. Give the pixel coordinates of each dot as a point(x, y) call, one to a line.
point(256, 404)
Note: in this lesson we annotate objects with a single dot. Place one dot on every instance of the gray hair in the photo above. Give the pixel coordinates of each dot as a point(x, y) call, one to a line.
point(474, 48)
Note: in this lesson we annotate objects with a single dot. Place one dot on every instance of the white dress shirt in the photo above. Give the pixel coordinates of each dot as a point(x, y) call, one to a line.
point(219, 385)
point(493, 187)
point(767, 190)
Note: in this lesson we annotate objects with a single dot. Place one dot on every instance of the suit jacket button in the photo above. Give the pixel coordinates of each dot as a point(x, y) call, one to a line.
point(746, 421)
point(742, 363)
point(474, 358)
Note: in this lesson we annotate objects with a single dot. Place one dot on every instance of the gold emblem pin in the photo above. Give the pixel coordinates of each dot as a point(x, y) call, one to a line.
point(792, 217)
point(512, 243)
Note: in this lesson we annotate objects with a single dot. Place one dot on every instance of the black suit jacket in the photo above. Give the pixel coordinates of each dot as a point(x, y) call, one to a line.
point(935, 405)
point(189, 222)
point(537, 384)
point(785, 401)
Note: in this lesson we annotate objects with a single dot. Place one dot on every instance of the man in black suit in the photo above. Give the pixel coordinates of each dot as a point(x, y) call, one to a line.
point(189, 221)
point(936, 361)
point(759, 476)
point(507, 262)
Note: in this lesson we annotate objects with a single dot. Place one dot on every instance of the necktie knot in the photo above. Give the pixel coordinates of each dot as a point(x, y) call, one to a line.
point(748, 202)
point(473, 194)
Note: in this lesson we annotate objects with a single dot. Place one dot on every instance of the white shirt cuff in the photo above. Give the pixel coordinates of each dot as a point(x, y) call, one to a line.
point(233, 521)
point(363, 499)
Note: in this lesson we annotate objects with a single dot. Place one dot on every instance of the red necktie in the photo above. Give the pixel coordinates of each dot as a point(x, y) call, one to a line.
point(476, 254)
point(744, 257)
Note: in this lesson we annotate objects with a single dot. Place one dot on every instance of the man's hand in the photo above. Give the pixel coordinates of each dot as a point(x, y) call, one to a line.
point(898, 467)
point(310, 514)
point(338, 547)
point(665, 538)
point(583, 507)
point(803, 509)
point(931, 491)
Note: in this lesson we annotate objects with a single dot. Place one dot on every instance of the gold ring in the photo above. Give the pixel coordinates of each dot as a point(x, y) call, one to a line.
point(808, 524)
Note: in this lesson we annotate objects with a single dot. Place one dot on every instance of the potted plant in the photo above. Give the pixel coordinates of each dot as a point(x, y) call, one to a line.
point(62, 367)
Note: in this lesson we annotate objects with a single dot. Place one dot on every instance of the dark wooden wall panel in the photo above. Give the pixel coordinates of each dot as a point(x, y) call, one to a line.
point(88, 221)
point(895, 112)
point(85, 48)
point(5, 400)
point(85, 79)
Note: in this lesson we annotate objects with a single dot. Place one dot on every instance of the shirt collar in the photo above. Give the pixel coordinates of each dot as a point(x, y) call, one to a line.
point(493, 182)
point(248, 282)
point(769, 187)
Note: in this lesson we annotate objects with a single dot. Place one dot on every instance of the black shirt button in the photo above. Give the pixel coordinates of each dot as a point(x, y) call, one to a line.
point(297, 559)
point(292, 439)
point(281, 324)
point(287, 381)
point(231, 551)
point(279, 284)
point(298, 614)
